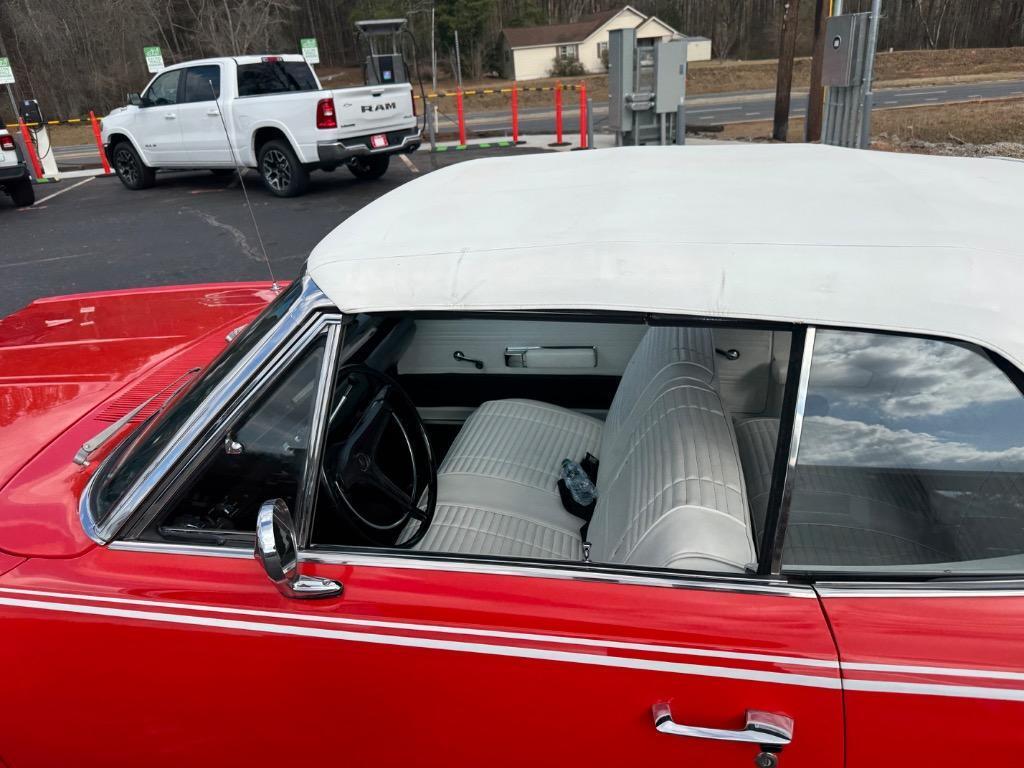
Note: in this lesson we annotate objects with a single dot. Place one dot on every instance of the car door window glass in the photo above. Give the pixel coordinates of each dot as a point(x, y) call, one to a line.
point(164, 90)
point(262, 457)
point(202, 83)
point(911, 458)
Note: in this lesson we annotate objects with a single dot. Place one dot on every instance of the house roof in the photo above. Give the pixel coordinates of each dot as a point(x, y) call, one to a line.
point(558, 34)
point(802, 233)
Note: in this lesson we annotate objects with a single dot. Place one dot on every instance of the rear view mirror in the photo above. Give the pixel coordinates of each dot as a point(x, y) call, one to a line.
point(277, 551)
point(134, 100)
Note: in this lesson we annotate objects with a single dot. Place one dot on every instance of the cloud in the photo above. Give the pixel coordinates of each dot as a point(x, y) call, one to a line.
point(901, 377)
point(827, 440)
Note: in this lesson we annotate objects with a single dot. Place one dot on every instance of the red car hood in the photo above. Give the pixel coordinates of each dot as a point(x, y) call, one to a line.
point(70, 366)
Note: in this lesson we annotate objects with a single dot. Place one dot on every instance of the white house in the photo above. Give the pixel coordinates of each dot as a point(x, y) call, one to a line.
point(530, 52)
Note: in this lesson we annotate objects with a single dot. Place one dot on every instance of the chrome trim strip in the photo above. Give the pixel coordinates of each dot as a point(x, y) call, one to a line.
point(794, 449)
point(967, 588)
point(597, 573)
point(307, 493)
point(312, 298)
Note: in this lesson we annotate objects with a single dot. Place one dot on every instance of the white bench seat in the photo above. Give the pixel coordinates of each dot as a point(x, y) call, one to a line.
point(670, 489)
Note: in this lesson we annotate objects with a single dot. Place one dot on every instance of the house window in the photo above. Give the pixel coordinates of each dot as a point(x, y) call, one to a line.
point(602, 50)
point(569, 52)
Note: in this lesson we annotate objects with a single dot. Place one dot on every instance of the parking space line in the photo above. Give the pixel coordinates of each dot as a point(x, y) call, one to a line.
point(409, 164)
point(62, 191)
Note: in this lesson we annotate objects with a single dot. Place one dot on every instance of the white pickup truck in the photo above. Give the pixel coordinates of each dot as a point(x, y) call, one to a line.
point(280, 121)
point(14, 178)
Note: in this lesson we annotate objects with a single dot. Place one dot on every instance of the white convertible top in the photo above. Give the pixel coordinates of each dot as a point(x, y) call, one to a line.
point(798, 233)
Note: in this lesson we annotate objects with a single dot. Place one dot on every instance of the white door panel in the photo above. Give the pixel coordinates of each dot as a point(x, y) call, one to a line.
point(743, 382)
point(436, 342)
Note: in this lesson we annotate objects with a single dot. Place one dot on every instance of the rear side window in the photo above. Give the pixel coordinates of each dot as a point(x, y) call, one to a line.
point(275, 77)
point(911, 459)
point(202, 83)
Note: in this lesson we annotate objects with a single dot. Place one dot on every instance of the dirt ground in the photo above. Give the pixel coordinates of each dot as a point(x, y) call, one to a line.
point(937, 130)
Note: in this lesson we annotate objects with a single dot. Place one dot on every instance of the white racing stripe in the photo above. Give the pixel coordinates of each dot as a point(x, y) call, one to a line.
point(652, 665)
point(878, 686)
point(443, 630)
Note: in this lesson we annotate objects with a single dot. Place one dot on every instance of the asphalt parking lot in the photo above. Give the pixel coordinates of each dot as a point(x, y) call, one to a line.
point(192, 227)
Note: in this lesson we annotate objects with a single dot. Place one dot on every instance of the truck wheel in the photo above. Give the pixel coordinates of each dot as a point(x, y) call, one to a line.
point(130, 169)
point(22, 192)
point(370, 167)
point(283, 175)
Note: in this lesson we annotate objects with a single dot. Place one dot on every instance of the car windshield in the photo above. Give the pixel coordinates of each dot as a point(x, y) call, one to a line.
point(134, 456)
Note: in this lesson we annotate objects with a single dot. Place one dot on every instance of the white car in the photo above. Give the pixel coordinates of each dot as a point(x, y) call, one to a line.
point(14, 175)
point(279, 119)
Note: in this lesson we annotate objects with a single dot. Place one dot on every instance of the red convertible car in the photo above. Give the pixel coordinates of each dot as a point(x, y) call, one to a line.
point(652, 456)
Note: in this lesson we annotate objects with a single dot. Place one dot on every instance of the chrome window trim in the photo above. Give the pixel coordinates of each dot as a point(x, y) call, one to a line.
point(311, 299)
point(306, 496)
point(212, 434)
point(1011, 587)
point(608, 574)
point(794, 450)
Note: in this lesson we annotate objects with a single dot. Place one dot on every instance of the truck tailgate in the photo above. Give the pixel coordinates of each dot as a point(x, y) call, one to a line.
point(374, 108)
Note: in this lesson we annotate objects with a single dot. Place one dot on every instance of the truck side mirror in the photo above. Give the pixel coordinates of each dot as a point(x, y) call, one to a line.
point(134, 100)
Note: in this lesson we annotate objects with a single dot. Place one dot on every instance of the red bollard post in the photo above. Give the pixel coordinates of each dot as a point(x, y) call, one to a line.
point(515, 113)
point(99, 143)
point(583, 115)
point(558, 113)
point(31, 149)
point(462, 118)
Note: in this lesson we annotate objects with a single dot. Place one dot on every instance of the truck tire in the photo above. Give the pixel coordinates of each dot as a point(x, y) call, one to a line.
point(22, 192)
point(129, 167)
point(282, 173)
point(369, 167)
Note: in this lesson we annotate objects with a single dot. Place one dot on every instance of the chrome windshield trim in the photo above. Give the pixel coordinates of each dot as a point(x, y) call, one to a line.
point(794, 450)
point(312, 298)
point(568, 572)
point(305, 503)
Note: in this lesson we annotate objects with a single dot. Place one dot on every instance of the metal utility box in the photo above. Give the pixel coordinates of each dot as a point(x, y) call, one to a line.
point(621, 44)
point(845, 38)
point(670, 69)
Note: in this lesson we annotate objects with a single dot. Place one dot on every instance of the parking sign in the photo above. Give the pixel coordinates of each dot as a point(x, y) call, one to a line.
point(6, 72)
point(154, 59)
point(310, 52)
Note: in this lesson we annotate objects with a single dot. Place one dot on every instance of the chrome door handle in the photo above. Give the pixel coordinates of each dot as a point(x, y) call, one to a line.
point(212, 113)
point(763, 728)
point(170, 117)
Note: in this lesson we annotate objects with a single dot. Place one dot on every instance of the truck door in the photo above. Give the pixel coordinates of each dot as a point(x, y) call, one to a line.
point(203, 137)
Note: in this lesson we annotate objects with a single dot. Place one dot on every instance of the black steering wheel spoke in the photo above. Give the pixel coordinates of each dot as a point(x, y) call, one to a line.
point(357, 484)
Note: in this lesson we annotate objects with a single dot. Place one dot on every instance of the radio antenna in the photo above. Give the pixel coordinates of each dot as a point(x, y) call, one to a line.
point(274, 286)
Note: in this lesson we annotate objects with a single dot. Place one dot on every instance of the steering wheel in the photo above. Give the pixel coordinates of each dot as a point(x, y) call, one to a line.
point(351, 470)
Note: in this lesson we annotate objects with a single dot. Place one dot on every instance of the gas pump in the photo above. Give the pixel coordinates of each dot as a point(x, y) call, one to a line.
point(29, 111)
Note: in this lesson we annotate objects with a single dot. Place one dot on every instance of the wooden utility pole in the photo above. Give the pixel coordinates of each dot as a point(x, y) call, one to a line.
point(784, 81)
point(816, 96)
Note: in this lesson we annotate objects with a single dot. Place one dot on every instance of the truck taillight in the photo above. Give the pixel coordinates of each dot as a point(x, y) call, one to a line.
point(325, 117)
point(6, 143)
point(415, 112)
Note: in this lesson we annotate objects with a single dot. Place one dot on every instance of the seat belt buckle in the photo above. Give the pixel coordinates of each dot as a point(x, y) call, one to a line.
point(586, 551)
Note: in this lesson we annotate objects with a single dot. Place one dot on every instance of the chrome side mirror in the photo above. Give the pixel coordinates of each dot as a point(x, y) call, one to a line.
point(277, 552)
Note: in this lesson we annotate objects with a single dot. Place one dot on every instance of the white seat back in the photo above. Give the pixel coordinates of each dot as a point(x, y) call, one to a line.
point(670, 488)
